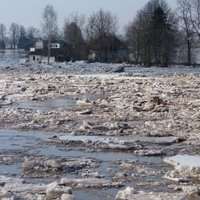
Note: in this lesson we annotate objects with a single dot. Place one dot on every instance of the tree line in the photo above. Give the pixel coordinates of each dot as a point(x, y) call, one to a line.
point(157, 32)
point(152, 38)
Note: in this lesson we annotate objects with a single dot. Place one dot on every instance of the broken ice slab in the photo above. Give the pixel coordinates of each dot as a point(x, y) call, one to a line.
point(122, 140)
point(187, 165)
point(184, 161)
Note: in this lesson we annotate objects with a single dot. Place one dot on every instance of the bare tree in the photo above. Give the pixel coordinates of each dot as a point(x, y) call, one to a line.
point(22, 37)
point(32, 33)
point(14, 31)
point(49, 25)
point(191, 21)
point(2, 36)
point(133, 34)
point(77, 18)
point(22, 32)
point(194, 9)
point(184, 15)
point(100, 25)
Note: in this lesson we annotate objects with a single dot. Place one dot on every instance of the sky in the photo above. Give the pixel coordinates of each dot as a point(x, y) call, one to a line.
point(29, 12)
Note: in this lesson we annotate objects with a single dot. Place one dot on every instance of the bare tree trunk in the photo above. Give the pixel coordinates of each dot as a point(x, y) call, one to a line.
point(14, 43)
point(49, 50)
point(49, 26)
point(138, 48)
point(187, 24)
point(100, 50)
point(188, 46)
point(188, 52)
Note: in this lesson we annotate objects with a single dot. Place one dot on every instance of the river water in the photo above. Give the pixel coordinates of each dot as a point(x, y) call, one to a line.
point(11, 57)
point(18, 144)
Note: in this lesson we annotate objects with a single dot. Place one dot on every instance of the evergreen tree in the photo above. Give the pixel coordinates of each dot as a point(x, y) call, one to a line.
point(153, 32)
point(160, 36)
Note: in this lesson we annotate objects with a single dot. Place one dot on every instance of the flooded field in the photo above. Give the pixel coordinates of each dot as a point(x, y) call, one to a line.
point(103, 136)
point(11, 57)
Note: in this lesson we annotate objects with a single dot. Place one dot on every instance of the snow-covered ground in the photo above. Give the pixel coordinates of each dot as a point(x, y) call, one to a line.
point(14, 60)
point(84, 68)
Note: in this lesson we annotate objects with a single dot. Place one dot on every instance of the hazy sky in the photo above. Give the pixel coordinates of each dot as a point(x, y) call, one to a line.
point(29, 12)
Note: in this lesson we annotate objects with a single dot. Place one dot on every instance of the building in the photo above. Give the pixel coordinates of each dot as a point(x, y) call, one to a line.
point(41, 44)
point(40, 56)
point(60, 52)
point(25, 43)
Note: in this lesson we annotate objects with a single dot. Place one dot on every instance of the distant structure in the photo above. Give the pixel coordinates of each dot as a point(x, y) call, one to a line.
point(39, 53)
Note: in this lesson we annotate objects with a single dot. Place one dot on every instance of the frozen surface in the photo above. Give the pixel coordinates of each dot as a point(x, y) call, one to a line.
point(89, 104)
point(16, 60)
point(184, 161)
point(11, 57)
point(121, 140)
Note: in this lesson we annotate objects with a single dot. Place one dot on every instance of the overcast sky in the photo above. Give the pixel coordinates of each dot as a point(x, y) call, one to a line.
point(29, 12)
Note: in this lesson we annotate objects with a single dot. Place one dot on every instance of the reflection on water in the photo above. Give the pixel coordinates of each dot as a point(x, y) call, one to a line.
point(11, 56)
point(96, 194)
point(68, 103)
point(11, 169)
point(47, 105)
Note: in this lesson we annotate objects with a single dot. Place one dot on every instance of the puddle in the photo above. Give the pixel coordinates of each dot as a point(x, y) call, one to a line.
point(47, 105)
point(95, 194)
point(68, 103)
point(19, 140)
point(103, 156)
point(11, 169)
